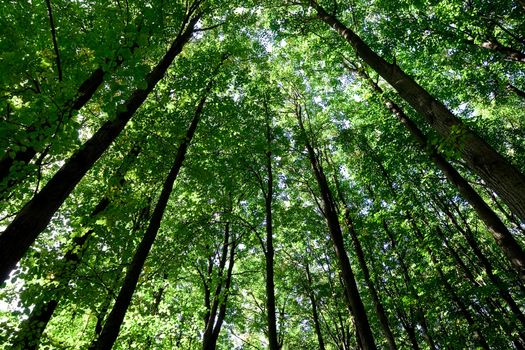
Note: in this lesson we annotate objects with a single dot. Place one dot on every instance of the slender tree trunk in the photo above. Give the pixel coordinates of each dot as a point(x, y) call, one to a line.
point(499, 174)
point(419, 313)
point(220, 298)
point(31, 329)
point(478, 333)
point(101, 315)
point(505, 240)
point(364, 331)
point(380, 310)
point(210, 319)
point(112, 326)
point(315, 314)
point(378, 306)
point(498, 283)
point(35, 216)
point(273, 341)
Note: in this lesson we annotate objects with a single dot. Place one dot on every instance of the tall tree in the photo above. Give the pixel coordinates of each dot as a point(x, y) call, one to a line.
point(109, 333)
point(366, 338)
point(504, 178)
point(34, 217)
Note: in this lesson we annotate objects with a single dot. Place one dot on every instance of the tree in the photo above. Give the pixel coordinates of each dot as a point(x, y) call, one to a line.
point(296, 193)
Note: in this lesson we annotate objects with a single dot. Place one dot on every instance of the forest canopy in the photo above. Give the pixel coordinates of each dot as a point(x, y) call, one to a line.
point(252, 174)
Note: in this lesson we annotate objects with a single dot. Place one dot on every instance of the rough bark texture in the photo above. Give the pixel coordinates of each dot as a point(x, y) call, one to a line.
point(112, 326)
point(364, 332)
point(499, 174)
point(37, 213)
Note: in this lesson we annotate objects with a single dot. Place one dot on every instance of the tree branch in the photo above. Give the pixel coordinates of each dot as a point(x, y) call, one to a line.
point(54, 37)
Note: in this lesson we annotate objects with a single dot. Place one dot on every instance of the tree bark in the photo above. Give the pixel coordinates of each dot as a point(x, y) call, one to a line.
point(364, 331)
point(516, 90)
point(509, 53)
point(112, 326)
point(499, 174)
point(380, 310)
point(378, 306)
point(498, 283)
point(35, 216)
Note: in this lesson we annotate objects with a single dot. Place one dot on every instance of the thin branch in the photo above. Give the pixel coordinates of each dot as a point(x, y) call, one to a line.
point(209, 28)
point(54, 37)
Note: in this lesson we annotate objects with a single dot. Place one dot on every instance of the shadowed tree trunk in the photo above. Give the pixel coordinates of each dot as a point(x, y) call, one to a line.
point(35, 216)
point(499, 174)
point(378, 306)
point(328, 208)
point(112, 326)
point(489, 269)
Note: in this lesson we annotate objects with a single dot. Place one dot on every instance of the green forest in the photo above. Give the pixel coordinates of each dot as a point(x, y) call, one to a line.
point(262, 174)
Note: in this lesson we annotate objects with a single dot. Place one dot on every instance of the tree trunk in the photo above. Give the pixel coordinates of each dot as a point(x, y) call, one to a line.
point(509, 53)
point(315, 314)
point(478, 333)
point(35, 216)
point(516, 90)
point(32, 328)
point(499, 174)
point(364, 331)
point(116, 317)
point(505, 240)
point(380, 310)
point(269, 251)
point(378, 306)
point(498, 283)
point(220, 298)
point(84, 93)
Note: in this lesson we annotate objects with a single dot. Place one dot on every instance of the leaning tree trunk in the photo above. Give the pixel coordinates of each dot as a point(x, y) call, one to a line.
point(31, 329)
point(85, 91)
point(364, 332)
point(35, 216)
point(505, 240)
point(116, 317)
point(499, 174)
point(378, 306)
point(489, 269)
point(380, 310)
